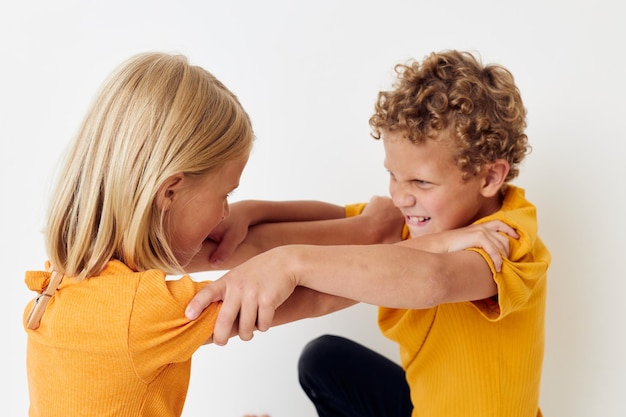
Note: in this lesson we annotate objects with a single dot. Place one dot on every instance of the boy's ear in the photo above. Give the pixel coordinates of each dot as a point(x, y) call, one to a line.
point(494, 177)
point(168, 191)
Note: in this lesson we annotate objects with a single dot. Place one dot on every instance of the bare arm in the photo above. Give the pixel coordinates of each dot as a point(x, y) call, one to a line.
point(491, 237)
point(416, 273)
point(380, 222)
point(302, 303)
point(307, 303)
point(399, 276)
point(244, 214)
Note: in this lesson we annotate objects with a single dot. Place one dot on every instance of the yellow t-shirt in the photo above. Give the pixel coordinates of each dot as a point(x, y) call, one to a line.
point(114, 345)
point(484, 358)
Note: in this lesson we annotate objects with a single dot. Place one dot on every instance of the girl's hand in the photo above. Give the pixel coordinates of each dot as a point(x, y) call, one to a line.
point(492, 237)
point(230, 233)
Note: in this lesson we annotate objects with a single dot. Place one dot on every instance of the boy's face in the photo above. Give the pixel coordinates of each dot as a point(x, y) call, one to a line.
point(428, 187)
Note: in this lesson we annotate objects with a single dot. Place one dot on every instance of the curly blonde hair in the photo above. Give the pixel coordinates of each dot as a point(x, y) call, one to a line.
point(452, 91)
point(155, 116)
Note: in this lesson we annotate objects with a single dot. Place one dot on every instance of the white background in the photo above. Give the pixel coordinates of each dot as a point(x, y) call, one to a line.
point(308, 74)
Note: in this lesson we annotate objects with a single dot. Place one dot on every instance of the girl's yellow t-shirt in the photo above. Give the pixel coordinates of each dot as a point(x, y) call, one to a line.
point(114, 345)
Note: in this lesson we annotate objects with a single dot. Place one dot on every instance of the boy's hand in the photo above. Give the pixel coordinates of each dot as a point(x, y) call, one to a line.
point(388, 219)
point(251, 293)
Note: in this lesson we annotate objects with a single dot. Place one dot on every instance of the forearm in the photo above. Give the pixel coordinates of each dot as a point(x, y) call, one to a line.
point(303, 303)
point(356, 230)
point(391, 275)
point(264, 211)
point(307, 303)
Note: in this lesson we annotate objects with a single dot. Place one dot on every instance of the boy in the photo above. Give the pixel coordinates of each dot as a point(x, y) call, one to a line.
point(470, 329)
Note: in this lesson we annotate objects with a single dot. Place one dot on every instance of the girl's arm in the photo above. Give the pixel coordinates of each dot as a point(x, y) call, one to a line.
point(244, 214)
point(380, 222)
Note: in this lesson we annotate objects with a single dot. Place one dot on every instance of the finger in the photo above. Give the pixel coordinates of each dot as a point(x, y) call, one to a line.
point(496, 257)
point(499, 240)
point(212, 292)
point(247, 319)
point(505, 228)
point(500, 226)
point(224, 249)
point(225, 321)
point(265, 317)
point(495, 245)
point(217, 233)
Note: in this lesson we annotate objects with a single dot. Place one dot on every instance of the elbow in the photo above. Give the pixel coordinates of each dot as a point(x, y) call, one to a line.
point(434, 295)
point(437, 288)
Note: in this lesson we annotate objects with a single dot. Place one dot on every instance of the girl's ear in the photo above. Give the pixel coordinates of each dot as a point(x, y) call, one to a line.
point(494, 177)
point(168, 191)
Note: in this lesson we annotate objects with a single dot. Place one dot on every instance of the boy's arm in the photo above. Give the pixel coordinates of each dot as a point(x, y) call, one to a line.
point(491, 237)
point(399, 276)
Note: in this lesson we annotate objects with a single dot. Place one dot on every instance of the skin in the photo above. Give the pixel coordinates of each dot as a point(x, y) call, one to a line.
point(238, 237)
point(422, 272)
point(429, 189)
point(194, 206)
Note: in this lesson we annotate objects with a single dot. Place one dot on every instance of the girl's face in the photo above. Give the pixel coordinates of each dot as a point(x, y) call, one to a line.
point(428, 187)
point(195, 205)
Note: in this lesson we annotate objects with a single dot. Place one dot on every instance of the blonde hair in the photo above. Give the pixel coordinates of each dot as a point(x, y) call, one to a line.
point(155, 116)
point(451, 91)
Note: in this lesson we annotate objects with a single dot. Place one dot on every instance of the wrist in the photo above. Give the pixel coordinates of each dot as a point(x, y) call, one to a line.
point(294, 262)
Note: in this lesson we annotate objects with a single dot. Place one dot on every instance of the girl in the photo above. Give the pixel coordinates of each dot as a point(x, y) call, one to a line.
point(145, 181)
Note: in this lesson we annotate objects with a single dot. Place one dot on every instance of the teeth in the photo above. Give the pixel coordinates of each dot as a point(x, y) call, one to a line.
point(418, 218)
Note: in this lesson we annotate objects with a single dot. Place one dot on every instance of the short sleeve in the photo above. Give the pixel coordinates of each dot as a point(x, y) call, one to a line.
point(159, 331)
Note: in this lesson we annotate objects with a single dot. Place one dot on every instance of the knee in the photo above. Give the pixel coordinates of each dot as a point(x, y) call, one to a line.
point(320, 352)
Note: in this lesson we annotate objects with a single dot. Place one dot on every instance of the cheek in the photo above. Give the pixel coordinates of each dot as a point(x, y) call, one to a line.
point(392, 187)
point(210, 216)
point(193, 223)
point(450, 215)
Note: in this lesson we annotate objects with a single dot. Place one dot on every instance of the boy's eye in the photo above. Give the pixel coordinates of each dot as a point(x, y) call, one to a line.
point(421, 183)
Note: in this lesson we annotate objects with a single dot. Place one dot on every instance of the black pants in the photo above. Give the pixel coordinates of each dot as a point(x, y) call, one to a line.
point(345, 379)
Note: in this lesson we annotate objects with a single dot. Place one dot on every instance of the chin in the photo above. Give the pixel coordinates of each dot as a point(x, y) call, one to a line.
point(420, 231)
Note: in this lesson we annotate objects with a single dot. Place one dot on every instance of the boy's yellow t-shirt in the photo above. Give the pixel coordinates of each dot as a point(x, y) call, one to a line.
point(483, 358)
point(114, 345)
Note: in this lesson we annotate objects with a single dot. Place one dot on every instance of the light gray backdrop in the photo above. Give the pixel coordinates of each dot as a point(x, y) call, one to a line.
point(308, 73)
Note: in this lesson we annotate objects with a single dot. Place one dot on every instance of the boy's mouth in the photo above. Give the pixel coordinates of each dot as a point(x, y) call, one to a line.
point(416, 220)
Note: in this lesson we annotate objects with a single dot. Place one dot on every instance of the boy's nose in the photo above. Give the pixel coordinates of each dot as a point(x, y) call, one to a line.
point(402, 198)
